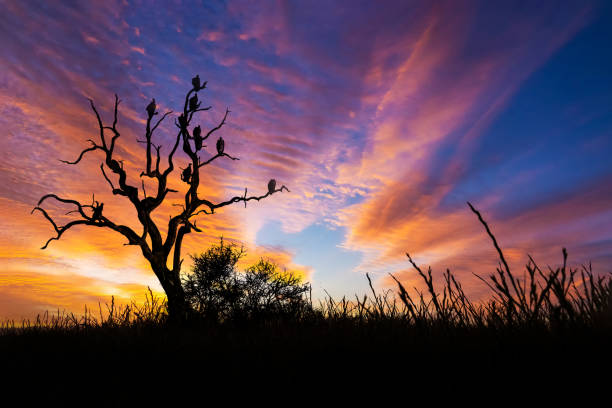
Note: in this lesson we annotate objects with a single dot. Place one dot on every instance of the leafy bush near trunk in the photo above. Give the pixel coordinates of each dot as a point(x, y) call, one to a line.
point(217, 290)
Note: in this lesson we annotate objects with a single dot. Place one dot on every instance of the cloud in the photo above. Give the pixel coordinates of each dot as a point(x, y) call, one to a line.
point(27, 294)
point(438, 98)
point(374, 127)
point(211, 36)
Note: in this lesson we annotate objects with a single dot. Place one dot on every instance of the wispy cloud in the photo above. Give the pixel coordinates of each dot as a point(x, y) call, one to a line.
point(374, 117)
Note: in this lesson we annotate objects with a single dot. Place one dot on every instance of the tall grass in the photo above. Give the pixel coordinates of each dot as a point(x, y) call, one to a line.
point(543, 298)
point(151, 313)
point(551, 298)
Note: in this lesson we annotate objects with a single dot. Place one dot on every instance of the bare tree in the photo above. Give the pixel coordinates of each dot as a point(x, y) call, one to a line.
point(155, 248)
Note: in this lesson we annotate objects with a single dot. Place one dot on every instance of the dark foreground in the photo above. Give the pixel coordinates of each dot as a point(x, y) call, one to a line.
point(544, 336)
point(116, 364)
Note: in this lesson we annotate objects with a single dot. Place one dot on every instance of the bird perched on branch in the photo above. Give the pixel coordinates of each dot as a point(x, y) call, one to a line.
point(271, 186)
point(151, 107)
point(97, 212)
point(197, 137)
point(182, 120)
point(196, 83)
point(220, 145)
point(193, 103)
point(186, 175)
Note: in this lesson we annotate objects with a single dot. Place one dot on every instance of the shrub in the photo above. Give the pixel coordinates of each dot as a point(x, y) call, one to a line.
point(213, 288)
point(268, 291)
point(217, 290)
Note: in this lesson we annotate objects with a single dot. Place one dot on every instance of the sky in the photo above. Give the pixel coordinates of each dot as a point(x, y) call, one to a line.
point(382, 118)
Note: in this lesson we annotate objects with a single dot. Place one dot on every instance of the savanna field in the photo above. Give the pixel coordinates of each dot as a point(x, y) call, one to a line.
point(261, 326)
point(287, 202)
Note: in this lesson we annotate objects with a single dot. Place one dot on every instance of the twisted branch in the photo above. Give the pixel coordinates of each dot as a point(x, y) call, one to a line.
point(219, 126)
point(89, 149)
point(245, 199)
point(216, 156)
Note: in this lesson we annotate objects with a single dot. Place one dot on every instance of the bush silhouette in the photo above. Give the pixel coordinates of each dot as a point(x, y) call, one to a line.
point(213, 288)
point(268, 291)
point(217, 290)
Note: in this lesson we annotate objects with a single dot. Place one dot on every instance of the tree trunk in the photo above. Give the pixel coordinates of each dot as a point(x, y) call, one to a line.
point(178, 309)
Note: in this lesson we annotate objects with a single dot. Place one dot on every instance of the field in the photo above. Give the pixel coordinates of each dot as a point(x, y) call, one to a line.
point(536, 328)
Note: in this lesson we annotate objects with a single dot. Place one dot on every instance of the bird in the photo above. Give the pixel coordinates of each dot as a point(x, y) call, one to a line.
point(220, 145)
point(186, 175)
point(271, 186)
point(97, 212)
point(197, 136)
point(182, 121)
point(193, 103)
point(196, 82)
point(151, 108)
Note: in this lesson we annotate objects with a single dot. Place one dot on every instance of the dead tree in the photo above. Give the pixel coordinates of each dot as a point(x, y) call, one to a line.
point(158, 250)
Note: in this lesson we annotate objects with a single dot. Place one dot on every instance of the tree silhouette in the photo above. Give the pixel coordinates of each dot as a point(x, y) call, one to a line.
point(155, 248)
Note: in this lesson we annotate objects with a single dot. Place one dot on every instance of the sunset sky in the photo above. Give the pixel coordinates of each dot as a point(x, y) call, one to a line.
point(382, 117)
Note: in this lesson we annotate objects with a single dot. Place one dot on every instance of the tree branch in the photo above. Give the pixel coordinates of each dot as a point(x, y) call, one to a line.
point(219, 126)
point(100, 125)
point(59, 230)
point(89, 149)
point(160, 121)
point(245, 198)
point(171, 155)
point(198, 110)
point(214, 157)
point(63, 200)
point(96, 220)
point(115, 191)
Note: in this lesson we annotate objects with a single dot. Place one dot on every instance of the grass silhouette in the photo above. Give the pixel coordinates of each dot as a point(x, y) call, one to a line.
point(548, 321)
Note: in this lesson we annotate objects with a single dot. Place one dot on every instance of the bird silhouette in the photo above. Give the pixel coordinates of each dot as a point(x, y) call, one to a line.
point(186, 175)
point(271, 186)
point(196, 82)
point(193, 103)
point(151, 108)
point(182, 121)
point(220, 145)
point(197, 137)
point(97, 212)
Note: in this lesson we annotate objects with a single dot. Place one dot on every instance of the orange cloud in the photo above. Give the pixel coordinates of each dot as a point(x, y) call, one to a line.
point(139, 50)
point(26, 294)
point(347, 115)
point(421, 103)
